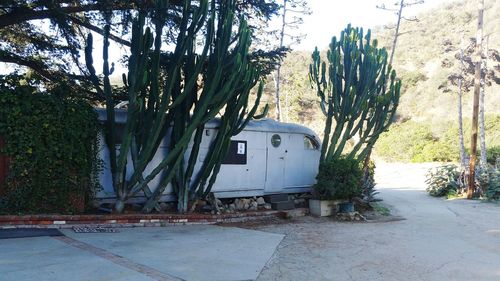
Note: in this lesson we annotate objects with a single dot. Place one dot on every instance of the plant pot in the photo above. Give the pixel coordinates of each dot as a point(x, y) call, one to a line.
point(346, 207)
point(323, 208)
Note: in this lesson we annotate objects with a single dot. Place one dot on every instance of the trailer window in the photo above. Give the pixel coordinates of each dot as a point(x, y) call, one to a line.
point(310, 143)
point(276, 140)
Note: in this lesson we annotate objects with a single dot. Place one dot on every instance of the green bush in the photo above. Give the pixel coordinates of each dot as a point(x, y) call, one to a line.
point(405, 142)
point(436, 151)
point(51, 143)
point(490, 183)
point(411, 79)
point(420, 142)
point(339, 179)
point(492, 154)
point(442, 180)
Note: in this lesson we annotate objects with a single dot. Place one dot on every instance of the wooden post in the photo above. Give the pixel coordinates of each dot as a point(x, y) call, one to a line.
point(475, 109)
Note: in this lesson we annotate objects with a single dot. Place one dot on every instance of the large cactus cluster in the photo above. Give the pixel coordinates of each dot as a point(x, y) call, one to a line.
point(176, 99)
point(358, 92)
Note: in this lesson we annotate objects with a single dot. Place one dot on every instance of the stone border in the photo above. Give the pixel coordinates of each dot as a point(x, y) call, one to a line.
point(138, 220)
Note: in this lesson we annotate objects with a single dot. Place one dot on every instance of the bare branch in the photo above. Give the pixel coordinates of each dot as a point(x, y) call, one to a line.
point(414, 19)
point(25, 13)
point(98, 30)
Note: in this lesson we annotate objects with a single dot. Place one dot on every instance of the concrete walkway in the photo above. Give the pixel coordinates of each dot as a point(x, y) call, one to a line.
point(195, 252)
point(439, 240)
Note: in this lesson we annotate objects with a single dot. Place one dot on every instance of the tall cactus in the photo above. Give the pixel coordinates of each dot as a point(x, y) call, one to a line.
point(358, 92)
point(197, 86)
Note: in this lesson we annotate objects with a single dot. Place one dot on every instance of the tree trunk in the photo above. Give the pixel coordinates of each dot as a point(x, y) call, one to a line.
point(396, 35)
point(475, 110)
point(463, 160)
point(277, 93)
point(482, 135)
point(277, 77)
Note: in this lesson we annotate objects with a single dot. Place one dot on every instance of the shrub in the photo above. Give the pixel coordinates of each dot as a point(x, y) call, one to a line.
point(404, 142)
point(369, 190)
point(491, 183)
point(412, 141)
point(442, 180)
point(411, 79)
point(339, 179)
point(51, 143)
point(492, 154)
point(436, 151)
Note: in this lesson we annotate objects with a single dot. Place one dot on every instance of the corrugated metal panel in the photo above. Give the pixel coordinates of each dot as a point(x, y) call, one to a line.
point(263, 125)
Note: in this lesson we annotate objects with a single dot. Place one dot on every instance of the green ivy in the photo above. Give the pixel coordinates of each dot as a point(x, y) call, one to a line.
point(52, 146)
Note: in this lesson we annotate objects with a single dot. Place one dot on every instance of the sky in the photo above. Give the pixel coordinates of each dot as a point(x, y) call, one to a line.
point(329, 17)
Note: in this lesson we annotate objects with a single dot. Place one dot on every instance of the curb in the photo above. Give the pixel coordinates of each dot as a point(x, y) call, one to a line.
point(139, 220)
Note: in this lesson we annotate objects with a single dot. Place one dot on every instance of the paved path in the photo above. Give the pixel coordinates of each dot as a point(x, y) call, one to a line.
point(439, 240)
point(192, 252)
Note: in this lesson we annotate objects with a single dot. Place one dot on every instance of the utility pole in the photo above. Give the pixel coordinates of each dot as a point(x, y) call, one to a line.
point(475, 109)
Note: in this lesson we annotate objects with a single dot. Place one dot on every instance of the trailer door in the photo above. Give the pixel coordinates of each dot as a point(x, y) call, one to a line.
point(275, 163)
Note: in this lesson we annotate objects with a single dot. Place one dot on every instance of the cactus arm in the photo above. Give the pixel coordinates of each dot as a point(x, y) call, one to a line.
point(264, 113)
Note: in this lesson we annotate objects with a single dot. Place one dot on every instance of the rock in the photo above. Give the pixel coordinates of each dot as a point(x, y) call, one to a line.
point(254, 205)
point(267, 206)
point(354, 216)
point(242, 204)
point(239, 204)
point(301, 202)
point(232, 207)
point(261, 201)
point(218, 202)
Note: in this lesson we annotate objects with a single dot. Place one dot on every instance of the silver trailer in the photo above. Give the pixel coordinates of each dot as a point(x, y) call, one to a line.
point(267, 157)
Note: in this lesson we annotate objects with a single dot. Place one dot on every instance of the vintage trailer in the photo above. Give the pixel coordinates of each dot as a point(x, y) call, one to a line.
point(267, 157)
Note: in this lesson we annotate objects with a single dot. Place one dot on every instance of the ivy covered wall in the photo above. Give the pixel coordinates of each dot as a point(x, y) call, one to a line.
point(50, 142)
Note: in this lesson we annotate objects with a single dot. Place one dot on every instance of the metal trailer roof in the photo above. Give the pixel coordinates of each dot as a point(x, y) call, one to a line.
point(262, 125)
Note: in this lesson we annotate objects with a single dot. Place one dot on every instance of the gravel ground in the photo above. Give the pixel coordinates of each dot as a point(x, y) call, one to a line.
point(438, 239)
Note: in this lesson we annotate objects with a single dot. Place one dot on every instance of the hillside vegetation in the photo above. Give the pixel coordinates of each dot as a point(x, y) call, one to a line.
point(425, 59)
point(426, 56)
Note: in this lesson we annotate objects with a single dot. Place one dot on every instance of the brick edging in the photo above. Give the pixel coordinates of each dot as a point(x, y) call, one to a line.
point(133, 220)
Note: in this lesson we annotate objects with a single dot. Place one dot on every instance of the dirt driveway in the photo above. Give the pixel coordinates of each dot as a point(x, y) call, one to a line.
point(438, 240)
